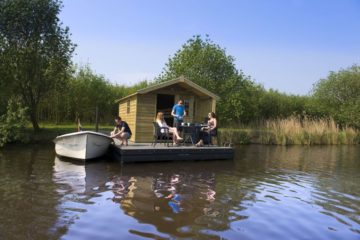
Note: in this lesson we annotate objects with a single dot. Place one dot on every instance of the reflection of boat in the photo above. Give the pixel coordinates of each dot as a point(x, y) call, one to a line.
point(71, 174)
point(79, 176)
point(82, 145)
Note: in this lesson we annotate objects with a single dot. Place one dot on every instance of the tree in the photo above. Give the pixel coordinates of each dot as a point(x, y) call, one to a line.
point(208, 65)
point(35, 50)
point(203, 62)
point(87, 91)
point(339, 95)
point(274, 104)
point(13, 123)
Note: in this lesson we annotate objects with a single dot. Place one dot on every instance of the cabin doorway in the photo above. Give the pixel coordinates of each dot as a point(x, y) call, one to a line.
point(165, 103)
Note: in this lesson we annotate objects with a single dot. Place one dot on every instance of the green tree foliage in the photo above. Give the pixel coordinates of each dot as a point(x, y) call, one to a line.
point(274, 104)
point(339, 96)
point(202, 61)
point(241, 102)
point(80, 95)
point(89, 91)
point(13, 123)
point(35, 50)
point(4, 96)
point(208, 65)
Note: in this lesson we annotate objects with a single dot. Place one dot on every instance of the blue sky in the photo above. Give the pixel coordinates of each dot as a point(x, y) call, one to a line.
point(286, 45)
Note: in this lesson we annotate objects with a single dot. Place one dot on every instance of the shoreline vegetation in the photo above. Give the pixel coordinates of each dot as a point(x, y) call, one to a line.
point(41, 84)
point(289, 131)
point(48, 132)
point(292, 131)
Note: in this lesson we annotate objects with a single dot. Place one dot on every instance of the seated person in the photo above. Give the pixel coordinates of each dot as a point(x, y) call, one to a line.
point(121, 131)
point(207, 132)
point(161, 122)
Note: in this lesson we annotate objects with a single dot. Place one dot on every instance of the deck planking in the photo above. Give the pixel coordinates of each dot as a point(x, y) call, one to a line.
point(145, 152)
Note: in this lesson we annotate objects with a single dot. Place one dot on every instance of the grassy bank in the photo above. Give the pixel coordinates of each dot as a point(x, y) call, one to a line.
point(50, 131)
point(292, 131)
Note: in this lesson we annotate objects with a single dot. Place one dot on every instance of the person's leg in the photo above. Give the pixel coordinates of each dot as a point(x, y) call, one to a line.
point(200, 143)
point(120, 139)
point(127, 139)
point(175, 132)
point(201, 136)
point(175, 136)
point(177, 124)
point(125, 136)
point(206, 137)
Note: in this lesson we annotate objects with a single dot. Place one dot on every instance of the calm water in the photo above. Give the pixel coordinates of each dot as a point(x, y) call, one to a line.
point(267, 192)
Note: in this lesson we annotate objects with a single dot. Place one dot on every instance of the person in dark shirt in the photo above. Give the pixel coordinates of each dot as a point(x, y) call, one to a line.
point(121, 131)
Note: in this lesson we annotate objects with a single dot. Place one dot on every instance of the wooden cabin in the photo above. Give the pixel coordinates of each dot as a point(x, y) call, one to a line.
point(139, 109)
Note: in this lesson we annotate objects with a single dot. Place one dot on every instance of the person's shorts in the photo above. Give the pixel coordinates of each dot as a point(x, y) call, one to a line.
point(177, 124)
point(126, 135)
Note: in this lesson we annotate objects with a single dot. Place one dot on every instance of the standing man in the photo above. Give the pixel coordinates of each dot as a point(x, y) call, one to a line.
point(121, 131)
point(178, 112)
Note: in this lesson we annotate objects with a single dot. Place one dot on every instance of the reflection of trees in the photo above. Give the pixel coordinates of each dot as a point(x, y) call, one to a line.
point(28, 198)
point(314, 159)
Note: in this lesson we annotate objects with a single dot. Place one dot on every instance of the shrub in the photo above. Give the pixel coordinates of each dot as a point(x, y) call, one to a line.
point(235, 136)
point(13, 123)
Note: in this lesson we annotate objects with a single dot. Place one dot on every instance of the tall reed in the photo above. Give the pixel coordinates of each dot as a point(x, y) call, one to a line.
point(305, 131)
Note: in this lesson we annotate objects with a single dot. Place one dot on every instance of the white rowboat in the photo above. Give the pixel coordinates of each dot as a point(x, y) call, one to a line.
point(82, 145)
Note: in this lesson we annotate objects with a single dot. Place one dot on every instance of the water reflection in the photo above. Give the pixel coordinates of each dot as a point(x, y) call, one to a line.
point(71, 174)
point(265, 193)
point(27, 194)
point(171, 196)
point(76, 177)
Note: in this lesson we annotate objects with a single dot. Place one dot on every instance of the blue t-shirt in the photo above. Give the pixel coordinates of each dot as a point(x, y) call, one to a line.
point(179, 110)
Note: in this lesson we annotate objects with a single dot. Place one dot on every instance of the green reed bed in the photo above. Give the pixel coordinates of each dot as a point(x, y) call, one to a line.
point(292, 131)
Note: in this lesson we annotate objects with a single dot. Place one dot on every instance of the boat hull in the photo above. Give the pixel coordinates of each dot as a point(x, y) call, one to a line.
point(82, 145)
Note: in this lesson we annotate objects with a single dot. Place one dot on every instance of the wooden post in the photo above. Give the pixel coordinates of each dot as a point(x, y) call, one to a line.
point(97, 119)
point(79, 128)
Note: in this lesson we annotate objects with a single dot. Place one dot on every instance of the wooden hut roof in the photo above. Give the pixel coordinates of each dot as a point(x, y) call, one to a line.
point(185, 83)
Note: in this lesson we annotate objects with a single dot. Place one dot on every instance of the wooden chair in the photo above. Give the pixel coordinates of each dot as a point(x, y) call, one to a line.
point(161, 137)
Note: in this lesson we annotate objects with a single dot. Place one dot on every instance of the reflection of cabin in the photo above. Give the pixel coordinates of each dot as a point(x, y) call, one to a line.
point(139, 109)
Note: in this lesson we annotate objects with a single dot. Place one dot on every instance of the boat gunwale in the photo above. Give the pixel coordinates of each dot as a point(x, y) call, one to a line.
point(81, 133)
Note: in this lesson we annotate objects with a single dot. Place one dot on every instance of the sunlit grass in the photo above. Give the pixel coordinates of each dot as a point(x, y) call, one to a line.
point(304, 131)
point(49, 131)
point(289, 131)
point(292, 131)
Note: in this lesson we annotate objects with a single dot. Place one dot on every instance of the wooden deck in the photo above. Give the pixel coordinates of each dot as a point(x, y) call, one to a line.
point(146, 153)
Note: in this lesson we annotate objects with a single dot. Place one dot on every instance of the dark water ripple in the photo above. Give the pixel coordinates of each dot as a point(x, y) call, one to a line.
point(265, 193)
